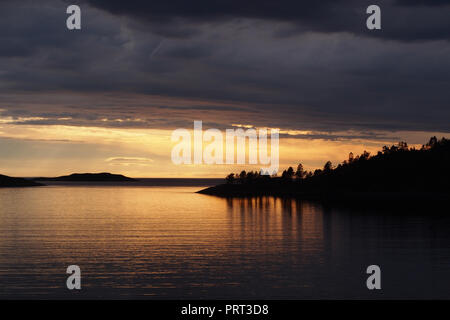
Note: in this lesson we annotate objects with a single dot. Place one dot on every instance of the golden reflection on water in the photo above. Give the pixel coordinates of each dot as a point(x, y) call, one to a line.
point(169, 242)
point(280, 220)
point(167, 236)
point(297, 219)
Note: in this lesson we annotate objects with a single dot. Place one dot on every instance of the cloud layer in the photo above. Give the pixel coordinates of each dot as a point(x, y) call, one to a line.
point(300, 65)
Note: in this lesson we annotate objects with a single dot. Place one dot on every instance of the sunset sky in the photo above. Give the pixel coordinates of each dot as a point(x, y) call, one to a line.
point(108, 97)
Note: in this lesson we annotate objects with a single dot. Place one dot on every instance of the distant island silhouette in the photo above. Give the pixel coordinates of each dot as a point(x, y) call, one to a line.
point(9, 182)
point(104, 176)
point(393, 171)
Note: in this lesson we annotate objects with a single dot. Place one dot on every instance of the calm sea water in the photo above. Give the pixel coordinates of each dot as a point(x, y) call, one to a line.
point(169, 242)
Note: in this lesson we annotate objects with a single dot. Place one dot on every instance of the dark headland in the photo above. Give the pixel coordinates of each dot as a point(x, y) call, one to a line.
point(396, 173)
point(10, 182)
point(76, 177)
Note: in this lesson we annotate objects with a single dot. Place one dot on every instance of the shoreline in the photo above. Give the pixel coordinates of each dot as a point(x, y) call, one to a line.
point(401, 198)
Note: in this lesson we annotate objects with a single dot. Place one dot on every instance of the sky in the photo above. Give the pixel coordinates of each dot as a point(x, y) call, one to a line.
point(108, 97)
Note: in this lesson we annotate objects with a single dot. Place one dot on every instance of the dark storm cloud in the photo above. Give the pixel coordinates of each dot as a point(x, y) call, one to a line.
point(275, 64)
point(402, 19)
point(209, 10)
point(423, 2)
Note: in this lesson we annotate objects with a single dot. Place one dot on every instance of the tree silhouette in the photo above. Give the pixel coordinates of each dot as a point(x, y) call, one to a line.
point(351, 157)
point(365, 155)
point(402, 145)
point(242, 176)
point(395, 168)
point(230, 178)
point(432, 142)
point(328, 167)
point(300, 173)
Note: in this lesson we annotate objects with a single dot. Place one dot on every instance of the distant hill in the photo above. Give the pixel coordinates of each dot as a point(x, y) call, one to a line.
point(394, 170)
point(8, 182)
point(104, 176)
